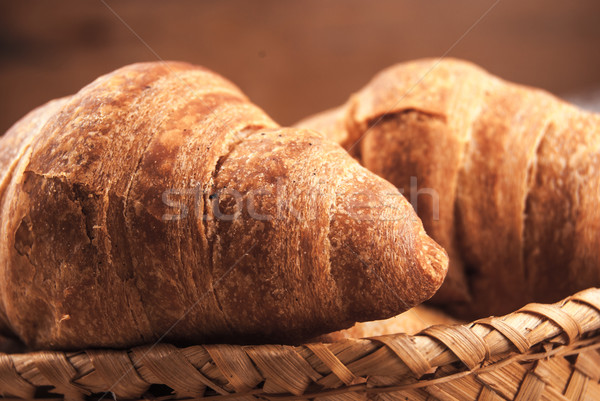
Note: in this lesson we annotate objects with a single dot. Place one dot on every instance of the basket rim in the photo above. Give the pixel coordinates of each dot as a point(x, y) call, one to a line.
point(535, 332)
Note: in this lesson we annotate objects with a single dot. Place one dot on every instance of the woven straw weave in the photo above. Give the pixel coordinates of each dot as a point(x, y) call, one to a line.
point(541, 352)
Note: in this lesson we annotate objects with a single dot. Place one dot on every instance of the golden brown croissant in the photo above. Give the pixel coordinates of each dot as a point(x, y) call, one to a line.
point(159, 203)
point(505, 177)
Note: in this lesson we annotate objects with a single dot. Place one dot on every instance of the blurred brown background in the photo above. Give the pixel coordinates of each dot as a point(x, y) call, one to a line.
point(292, 58)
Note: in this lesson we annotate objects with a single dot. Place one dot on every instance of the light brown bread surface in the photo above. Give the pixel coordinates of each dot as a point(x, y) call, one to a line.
point(410, 322)
point(505, 177)
point(159, 203)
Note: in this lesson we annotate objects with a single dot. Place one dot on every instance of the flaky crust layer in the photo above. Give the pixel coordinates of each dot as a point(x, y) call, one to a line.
point(411, 322)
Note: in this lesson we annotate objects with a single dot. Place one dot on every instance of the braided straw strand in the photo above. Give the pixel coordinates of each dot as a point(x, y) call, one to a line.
point(538, 352)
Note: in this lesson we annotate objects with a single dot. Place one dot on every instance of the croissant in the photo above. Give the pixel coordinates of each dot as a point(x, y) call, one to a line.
point(505, 177)
point(158, 203)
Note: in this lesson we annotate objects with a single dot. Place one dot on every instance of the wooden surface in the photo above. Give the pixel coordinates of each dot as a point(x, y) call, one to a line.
point(292, 58)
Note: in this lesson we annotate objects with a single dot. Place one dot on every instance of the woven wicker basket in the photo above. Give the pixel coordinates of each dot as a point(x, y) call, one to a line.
point(547, 352)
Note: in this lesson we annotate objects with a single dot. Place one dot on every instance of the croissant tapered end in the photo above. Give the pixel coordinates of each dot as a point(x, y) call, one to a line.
point(337, 243)
point(384, 260)
point(15, 143)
